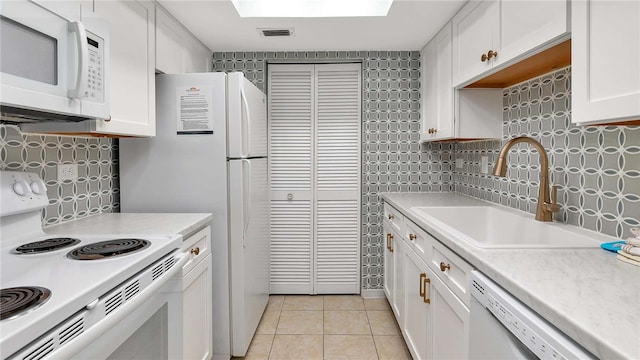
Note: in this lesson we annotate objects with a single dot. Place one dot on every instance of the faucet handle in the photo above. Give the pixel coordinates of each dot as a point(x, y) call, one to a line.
point(553, 206)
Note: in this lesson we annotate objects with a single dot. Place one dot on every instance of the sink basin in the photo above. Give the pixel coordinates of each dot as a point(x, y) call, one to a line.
point(493, 227)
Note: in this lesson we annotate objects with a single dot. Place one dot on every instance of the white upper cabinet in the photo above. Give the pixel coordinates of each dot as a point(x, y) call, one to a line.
point(528, 25)
point(131, 66)
point(475, 31)
point(478, 113)
point(606, 61)
point(437, 87)
point(177, 51)
point(489, 35)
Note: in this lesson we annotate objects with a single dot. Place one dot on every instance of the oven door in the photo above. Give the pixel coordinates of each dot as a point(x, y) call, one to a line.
point(44, 59)
point(139, 319)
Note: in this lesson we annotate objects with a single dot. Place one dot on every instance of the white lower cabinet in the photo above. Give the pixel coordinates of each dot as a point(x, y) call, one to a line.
point(393, 284)
point(449, 322)
point(417, 324)
point(196, 299)
point(425, 284)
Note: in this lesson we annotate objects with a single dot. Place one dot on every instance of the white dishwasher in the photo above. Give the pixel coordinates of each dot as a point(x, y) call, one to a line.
point(501, 327)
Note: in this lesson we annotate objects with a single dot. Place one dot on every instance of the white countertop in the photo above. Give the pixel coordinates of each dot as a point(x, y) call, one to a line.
point(586, 293)
point(133, 223)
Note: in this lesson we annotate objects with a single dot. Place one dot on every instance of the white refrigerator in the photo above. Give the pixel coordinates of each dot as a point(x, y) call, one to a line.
point(210, 155)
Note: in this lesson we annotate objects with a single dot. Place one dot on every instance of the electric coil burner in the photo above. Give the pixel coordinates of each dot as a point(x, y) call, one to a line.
point(18, 301)
point(108, 249)
point(46, 245)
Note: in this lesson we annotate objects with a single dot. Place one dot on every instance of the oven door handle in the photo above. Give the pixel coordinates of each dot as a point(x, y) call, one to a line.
point(76, 345)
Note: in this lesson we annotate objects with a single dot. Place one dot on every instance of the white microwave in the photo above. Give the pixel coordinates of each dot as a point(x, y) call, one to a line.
point(52, 66)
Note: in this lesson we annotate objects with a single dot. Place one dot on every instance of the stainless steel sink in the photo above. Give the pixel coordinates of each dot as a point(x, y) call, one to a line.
point(493, 227)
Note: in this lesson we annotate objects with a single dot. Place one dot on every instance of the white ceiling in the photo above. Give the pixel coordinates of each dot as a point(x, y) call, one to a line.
point(408, 26)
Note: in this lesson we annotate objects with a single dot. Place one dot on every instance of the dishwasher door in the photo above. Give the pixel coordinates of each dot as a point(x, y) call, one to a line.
point(501, 327)
point(490, 340)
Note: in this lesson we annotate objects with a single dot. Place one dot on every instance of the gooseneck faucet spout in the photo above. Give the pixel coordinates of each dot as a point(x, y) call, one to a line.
point(546, 207)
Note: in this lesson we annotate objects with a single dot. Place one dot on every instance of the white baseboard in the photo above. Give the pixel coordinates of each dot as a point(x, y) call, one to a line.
point(372, 294)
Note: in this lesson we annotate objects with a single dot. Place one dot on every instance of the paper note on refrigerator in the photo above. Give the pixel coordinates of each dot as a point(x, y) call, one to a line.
point(195, 109)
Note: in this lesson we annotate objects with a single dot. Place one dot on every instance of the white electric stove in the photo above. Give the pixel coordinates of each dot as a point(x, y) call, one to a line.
point(58, 302)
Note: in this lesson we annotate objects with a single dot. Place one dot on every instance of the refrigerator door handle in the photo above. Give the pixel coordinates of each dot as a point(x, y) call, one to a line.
point(247, 138)
point(247, 200)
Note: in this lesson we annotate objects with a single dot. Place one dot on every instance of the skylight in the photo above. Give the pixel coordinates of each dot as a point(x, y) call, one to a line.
point(311, 8)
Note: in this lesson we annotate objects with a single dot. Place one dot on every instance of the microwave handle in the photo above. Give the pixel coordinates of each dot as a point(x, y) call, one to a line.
point(78, 29)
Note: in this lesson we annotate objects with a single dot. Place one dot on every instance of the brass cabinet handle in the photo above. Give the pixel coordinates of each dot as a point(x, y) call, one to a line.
point(444, 266)
point(413, 236)
point(390, 217)
point(195, 251)
point(389, 242)
point(491, 54)
point(424, 293)
point(483, 58)
point(423, 276)
point(107, 120)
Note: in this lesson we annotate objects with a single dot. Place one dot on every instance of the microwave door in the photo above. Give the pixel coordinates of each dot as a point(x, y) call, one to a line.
point(38, 62)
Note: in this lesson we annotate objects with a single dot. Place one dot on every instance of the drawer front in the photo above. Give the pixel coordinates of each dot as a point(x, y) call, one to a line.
point(198, 246)
point(395, 218)
point(418, 240)
point(452, 270)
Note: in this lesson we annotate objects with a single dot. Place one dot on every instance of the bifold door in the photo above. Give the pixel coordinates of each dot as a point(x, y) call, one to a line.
point(314, 155)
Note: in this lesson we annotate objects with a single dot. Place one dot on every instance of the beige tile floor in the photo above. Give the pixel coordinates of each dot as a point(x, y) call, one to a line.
point(327, 327)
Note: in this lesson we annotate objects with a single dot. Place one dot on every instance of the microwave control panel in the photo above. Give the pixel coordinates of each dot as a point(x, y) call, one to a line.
point(94, 90)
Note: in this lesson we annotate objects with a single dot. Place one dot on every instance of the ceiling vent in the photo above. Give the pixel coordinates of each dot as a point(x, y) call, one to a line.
point(276, 32)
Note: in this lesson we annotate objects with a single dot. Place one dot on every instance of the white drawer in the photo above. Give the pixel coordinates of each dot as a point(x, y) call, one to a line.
point(418, 239)
point(451, 269)
point(198, 246)
point(395, 218)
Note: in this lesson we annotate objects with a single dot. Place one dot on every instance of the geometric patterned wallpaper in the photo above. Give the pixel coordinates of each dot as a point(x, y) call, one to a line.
point(392, 157)
point(95, 191)
point(596, 168)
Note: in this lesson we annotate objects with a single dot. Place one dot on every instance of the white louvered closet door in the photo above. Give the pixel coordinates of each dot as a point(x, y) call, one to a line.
point(315, 176)
point(337, 179)
point(291, 113)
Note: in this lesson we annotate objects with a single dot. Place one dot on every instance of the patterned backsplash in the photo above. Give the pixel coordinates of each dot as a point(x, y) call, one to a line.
point(392, 157)
point(95, 191)
point(596, 168)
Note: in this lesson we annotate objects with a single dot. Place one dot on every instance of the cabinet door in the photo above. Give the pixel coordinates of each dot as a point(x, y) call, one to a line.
point(70, 10)
point(450, 335)
point(169, 44)
point(197, 306)
point(197, 57)
point(605, 56)
point(388, 264)
point(399, 247)
point(438, 115)
point(475, 27)
point(526, 25)
point(132, 67)
point(417, 312)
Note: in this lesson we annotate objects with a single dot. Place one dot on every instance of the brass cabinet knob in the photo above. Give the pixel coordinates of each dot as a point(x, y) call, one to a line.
point(483, 58)
point(491, 54)
point(195, 251)
point(444, 266)
point(390, 217)
point(413, 236)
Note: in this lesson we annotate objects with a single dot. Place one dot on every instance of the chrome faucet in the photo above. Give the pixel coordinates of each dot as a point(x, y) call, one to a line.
point(546, 207)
